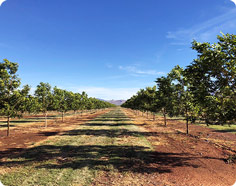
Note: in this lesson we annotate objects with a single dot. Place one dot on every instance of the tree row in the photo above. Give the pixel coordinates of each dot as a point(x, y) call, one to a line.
point(205, 89)
point(15, 101)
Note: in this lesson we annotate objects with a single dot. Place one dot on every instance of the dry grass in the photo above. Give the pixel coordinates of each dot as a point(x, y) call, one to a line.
point(108, 145)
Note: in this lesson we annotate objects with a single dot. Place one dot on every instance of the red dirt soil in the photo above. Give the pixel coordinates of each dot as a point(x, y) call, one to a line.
point(203, 153)
point(25, 136)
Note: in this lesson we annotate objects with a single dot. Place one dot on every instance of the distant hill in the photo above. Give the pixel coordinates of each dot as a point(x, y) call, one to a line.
point(115, 102)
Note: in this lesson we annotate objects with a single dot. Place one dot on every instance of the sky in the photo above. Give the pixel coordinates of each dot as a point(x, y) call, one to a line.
point(107, 48)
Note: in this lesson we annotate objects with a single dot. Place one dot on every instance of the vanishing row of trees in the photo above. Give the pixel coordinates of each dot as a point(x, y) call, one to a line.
point(14, 101)
point(206, 89)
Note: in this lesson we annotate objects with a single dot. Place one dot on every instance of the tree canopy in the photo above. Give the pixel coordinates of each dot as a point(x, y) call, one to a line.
point(14, 101)
point(205, 89)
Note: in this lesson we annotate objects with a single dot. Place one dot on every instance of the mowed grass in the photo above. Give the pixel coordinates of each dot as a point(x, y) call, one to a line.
point(110, 144)
point(223, 128)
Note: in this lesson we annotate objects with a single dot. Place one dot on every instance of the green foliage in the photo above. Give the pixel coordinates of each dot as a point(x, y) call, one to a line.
point(32, 104)
point(9, 83)
point(213, 78)
point(205, 89)
point(144, 100)
point(14, 101)
point(44, 95)
point(182, 97)
point(164, 94)
point(76, 103)
point(60, 102)
point(11, 98)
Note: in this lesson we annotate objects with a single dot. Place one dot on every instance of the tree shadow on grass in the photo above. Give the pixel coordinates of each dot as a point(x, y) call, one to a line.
point(48, 133)
point(5, 125)
point(109, 133)
point(26, 121)
point(226, 130)
point(112, 119)
point(108, 124)
point(123, 158)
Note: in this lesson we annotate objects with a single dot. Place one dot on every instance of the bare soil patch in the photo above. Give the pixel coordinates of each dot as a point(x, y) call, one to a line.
point(203, 153)
point(24, 136)
point(123, 151)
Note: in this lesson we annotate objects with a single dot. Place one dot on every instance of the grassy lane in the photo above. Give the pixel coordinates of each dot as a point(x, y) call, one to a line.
point(109, 150)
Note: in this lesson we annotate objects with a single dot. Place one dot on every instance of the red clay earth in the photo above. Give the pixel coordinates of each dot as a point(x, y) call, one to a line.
point(27, 135)
point(182, 160)
point(200, 157)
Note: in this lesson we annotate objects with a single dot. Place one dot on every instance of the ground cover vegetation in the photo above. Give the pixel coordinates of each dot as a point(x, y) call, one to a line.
point(16, 100)
point(116, 147)
point(108, 146)
point(204, 90)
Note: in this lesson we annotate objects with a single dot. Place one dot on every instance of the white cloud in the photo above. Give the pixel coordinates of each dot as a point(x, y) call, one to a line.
point(2, 1)
point(32, 91)
point(107, 93)
point(135, 71)
point(179, 43)
point(234, 1)
point(205, 31)
point(1, 184)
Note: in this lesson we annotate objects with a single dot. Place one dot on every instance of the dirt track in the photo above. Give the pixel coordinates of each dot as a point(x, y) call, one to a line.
point(197, 159)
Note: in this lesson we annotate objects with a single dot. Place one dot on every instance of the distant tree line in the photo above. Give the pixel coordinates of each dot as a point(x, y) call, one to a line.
point(15, 101)
point(206, 89)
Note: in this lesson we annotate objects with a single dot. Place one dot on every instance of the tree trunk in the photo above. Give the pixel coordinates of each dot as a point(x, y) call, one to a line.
point(187, 118)
point(164, 114)
point(187, 125)
point(46, 121)
point(63, 116)
point(154, 116)
point(8, 125)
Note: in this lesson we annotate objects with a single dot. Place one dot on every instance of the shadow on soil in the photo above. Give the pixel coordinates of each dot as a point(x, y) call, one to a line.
point(226, 130)
point(137, 159)
point(48, 133)
point(98, 157)
point(113, 119)
point(5, 125)
point(123, 158)
point(26, 121)
point(109, 133)
point(109, 124)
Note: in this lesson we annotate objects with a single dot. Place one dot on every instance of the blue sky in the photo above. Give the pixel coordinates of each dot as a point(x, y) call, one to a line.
point(108, 48)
